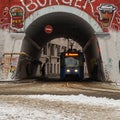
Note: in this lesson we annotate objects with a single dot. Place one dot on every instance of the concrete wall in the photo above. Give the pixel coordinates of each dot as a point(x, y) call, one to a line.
point(13, 42)
point(27, 67)
point(12, 48)
point(2, 42)
point(110, 47)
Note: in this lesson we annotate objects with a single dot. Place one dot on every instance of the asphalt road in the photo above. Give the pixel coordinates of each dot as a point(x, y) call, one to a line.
point(31, 87)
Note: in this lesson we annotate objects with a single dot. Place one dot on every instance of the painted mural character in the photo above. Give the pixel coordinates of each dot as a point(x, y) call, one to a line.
point(107, 13)
point(17, 17)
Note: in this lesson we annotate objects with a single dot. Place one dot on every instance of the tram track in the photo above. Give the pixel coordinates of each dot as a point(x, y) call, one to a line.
point(94, 91)
point(76, 86)
point(57, 87)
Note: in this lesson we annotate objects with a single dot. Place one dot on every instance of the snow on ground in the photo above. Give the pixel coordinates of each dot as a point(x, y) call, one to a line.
point(10, 112)
point(78, 99)
point(56, 107)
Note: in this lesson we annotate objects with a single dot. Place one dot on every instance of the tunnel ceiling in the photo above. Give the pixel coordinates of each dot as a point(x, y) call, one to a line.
point(64, 25)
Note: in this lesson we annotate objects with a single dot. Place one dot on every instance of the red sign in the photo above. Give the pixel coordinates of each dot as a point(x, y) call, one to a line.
point(48, 29)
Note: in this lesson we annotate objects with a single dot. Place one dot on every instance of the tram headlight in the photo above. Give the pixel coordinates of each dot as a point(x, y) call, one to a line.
point(76, 70)
point(68, 70)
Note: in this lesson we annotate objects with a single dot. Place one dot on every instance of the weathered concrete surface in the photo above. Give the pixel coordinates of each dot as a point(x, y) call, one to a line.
point(64, 88)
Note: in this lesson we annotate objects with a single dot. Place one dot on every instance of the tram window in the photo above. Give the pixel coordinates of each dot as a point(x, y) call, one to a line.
point(71, 62)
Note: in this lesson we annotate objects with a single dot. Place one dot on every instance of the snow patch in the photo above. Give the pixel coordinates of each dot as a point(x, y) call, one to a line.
point(78, 99)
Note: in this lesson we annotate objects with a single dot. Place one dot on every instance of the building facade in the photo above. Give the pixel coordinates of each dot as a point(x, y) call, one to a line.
point(52, 51)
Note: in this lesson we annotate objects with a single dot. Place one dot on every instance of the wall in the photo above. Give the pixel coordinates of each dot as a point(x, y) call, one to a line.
point(110, 47)
point(12, 47)
point(26, 9)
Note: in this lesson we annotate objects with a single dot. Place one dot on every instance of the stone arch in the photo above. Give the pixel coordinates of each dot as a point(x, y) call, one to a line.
point(67, 22)
point(66, 9)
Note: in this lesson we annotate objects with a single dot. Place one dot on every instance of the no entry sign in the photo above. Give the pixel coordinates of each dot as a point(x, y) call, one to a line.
point(48, 29)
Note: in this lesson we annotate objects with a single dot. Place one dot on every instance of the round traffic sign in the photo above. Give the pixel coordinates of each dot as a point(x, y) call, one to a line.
point(48, 29)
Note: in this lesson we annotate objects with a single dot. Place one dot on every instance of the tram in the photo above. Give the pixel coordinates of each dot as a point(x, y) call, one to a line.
point(72, 65)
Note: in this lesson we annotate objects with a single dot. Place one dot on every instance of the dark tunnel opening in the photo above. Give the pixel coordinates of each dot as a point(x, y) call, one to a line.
point(65, 25)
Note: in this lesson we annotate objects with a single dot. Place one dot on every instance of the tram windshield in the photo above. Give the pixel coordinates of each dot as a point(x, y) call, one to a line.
point(71, 62)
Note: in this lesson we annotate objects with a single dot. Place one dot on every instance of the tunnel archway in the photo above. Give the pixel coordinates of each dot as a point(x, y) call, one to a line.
point(65, 25)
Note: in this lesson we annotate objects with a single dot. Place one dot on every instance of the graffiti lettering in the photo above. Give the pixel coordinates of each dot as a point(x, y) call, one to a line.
point(4, 21)
point(118, 18)
point(42, 4)
point(31, 5)
point(5, 13)
point(115, 26)
point(106, 14)
point(118, 13)
point(77, 3)
point(89, 2)
point(69, 2)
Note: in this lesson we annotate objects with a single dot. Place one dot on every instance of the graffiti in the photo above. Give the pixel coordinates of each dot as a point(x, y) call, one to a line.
point(17, 17)
point(9, 66)
point(13, 67)
point(107, 73)
point(13, 14)
point(4, 20)
point(118, 13)
point(6, 66)
point(118, 18)
point(110, 63)
point(12, 72)
point(90, 3)
point(108, 67)
point(107, 13)
point(31, 5)
point(115, 26)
